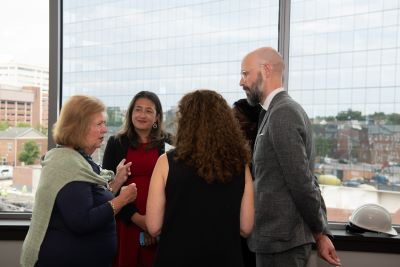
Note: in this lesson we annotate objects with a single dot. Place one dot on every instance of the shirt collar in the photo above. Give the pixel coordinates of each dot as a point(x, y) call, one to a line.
point(271, 96)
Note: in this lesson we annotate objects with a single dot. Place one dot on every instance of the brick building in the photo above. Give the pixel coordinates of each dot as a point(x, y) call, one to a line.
point(12, 142)
point(385, 143)
point(28, 105)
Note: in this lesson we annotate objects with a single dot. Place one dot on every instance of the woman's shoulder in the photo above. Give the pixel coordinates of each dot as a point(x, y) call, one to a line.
point(62, 157)
point(118, 140)
point(61, 152)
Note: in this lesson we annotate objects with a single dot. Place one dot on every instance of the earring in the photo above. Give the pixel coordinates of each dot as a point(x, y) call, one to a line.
point(155, 125)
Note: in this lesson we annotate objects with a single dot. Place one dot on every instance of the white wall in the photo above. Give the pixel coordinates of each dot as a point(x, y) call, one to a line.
point(359, 259)
point(9, 253)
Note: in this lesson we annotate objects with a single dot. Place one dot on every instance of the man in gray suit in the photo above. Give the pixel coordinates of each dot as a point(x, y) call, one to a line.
point(290, 213)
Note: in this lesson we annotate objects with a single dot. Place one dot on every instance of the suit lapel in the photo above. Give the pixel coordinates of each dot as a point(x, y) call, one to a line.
point(261, 117)
point(263, 120)
point(264, 114)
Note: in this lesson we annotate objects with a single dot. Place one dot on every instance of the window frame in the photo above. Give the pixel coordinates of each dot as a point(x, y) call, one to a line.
point(13, 226)
point(20, 220)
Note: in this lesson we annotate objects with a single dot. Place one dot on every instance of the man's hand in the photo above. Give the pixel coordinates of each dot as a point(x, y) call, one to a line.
point(326, 250)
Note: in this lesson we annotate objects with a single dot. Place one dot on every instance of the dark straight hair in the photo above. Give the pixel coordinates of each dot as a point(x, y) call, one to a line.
point(157, 135)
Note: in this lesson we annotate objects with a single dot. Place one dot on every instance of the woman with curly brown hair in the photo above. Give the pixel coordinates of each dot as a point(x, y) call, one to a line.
point(201, 193)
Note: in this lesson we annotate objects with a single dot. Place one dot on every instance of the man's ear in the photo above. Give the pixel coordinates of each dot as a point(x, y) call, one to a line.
point(266, 70)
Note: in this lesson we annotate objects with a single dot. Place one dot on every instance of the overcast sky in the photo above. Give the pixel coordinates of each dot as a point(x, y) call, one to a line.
point(24, 31)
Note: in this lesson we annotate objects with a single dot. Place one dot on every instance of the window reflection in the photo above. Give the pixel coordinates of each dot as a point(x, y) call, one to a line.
point(118, 48)
point(354, 105)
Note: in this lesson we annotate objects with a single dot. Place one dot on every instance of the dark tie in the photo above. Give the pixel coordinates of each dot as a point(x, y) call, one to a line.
point(261, 117)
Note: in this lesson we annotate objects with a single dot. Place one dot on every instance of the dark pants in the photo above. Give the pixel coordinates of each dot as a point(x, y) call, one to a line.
point(295, 257)
point(249, 257)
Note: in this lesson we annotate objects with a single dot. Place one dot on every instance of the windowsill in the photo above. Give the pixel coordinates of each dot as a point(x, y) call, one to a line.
point(16, 229)
point(367, 242)
point(13, 229)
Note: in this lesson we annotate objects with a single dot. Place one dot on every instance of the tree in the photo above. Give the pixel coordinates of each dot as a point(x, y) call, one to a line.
point(349, 115)
point(393, 119)
point(330, 118)
point(324, 147)
point(30, 153)
point(327, 118)
point(3, 125)
point(41, 129)
point(378, 116)
point(170, 121)
point(23, 124)
point(114, 116)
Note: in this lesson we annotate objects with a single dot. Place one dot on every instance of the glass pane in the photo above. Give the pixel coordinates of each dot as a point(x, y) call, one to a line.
point(115, 49)
point(351, 52)
point(24, 74)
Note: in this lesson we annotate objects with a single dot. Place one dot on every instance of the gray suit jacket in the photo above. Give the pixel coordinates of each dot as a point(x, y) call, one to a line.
point(288, 203)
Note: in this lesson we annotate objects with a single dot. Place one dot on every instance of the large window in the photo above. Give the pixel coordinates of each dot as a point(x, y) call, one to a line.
point(344, 69)
point(344, 64)
point(24, 56)
point(117, 48)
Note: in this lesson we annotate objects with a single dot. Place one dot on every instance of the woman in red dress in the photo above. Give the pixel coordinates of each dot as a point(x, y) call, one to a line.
point(140, 142)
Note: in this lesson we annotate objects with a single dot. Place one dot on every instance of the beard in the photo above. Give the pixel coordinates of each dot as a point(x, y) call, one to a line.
point(255, 93)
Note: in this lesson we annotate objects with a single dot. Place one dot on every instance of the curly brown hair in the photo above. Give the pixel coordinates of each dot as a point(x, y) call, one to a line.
point(209, 137)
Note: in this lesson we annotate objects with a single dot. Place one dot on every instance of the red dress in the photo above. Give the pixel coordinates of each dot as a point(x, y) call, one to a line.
point(130, 253)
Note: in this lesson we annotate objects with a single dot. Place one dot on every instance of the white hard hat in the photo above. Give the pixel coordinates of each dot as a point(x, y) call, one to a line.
point(373, 217)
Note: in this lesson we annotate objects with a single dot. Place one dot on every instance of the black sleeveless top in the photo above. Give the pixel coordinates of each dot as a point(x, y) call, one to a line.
point(201, 221)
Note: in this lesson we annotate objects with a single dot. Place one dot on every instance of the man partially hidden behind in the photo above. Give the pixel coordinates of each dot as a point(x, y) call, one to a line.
point(290, 211)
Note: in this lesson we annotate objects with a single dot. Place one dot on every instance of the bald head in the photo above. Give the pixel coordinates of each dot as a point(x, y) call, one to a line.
point(262, 73)
point(267, 55)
